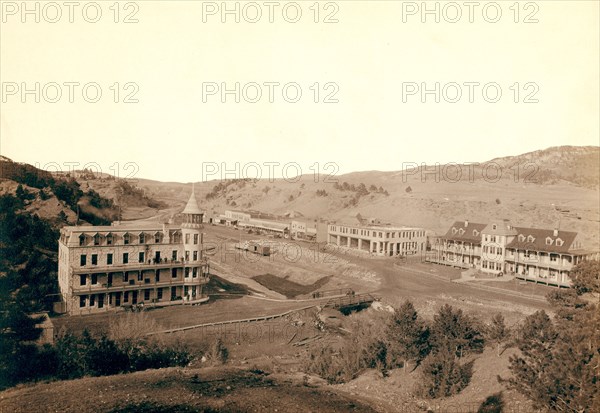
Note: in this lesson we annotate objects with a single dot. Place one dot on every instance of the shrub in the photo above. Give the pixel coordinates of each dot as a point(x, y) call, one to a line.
point(218, 353)
point(443, 376)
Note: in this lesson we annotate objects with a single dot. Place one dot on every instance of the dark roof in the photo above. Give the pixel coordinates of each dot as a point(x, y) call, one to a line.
point(467, 235)
point(539, 240)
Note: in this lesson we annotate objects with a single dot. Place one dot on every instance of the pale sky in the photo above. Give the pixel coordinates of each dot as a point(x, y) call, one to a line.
point(367, 58)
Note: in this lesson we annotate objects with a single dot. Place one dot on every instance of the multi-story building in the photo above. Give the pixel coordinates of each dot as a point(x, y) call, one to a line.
point(532, 254)
point(301, 229)
point(378, 240)
point(110, 267)
point(461, 245)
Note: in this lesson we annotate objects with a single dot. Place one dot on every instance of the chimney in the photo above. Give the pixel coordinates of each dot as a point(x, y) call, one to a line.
point(466, 223)
point(555, 232)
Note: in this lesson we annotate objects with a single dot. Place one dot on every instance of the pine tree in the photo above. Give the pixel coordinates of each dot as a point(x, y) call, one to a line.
point(497, 331)
point(407, 336)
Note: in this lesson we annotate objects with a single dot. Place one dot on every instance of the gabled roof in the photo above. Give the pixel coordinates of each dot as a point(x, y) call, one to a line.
point(500, 228)
point(467, 234)
point(192, 205)
point(539, 242)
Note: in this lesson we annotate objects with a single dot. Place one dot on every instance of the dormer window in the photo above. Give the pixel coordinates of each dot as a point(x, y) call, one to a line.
point(142, 238)
point(549, 241)
point(96, 239)
point(109, 239)
point(530, 238)
point(81, 240)
point(475, 233)
point(494, 226)
point(461, 231)
point(157, 237)
point(559, 242)
point(454, 230)
point(126, 239)
point(521, 237)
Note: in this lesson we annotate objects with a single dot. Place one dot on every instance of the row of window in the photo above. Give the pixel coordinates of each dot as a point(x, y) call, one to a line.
point(141, 258)
point(491, 265)
point(379, 234)
point(461, 231)
point(143, 238)
point(94, 300)
point(93, 278)
point(110, 239)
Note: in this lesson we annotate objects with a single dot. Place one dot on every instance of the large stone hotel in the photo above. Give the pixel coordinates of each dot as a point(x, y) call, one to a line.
point(103, 268)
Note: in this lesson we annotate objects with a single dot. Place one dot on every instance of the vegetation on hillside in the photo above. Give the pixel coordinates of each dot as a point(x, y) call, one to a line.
point(558, 363)
point(555, 365)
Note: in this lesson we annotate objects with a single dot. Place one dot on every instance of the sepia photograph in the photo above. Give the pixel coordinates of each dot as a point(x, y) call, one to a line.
point(370, 206)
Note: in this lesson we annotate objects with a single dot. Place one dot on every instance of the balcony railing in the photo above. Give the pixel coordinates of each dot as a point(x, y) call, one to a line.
point(138, 285)
point(133, 266)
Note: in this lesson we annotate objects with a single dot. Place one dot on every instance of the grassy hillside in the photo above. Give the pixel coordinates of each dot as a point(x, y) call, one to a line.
point(548, 188)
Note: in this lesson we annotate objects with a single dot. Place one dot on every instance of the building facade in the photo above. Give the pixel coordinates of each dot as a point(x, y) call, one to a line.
point(531, 254)
point(378, 240)
point(103, 268)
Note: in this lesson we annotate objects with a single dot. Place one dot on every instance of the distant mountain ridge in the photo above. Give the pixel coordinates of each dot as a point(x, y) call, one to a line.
point(557, 186)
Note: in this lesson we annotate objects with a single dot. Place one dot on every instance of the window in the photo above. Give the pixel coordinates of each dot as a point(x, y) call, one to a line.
point(141, 257)
point(126, 239)
point(126, 296)
point(82, 259)
point(494, 226)
point(187, 272)
point(530, 238)
point(195, 238)
point(125, 258)
point(521, 237)
point(96, 239)
point(174, 273)
point(475, 233)
point(109, 259)
point(157, 276)
point(195, 255)
point(82, 300)
point(94, 259)
point(109, 239)
point(157, 238)
point(142, 238)
point(81, 240)
point(187, 238)
point(187, 255)
point(146, 295)
point(174, 255)
point(553, 258)
point(94, 279)
point(82, 279)
point(92, 300)
point(559, 242)
point(159, 293)
point(549, 241)
point(195, 272)
point(140, 276)
point(125, 277)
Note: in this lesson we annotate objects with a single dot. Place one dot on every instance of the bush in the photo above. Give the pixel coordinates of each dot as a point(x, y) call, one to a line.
point(443, 376)
point(451, 329)
point(218, 353)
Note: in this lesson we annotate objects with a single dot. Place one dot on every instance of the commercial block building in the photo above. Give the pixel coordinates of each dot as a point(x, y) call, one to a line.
point(378, 240)
point(104, 268)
